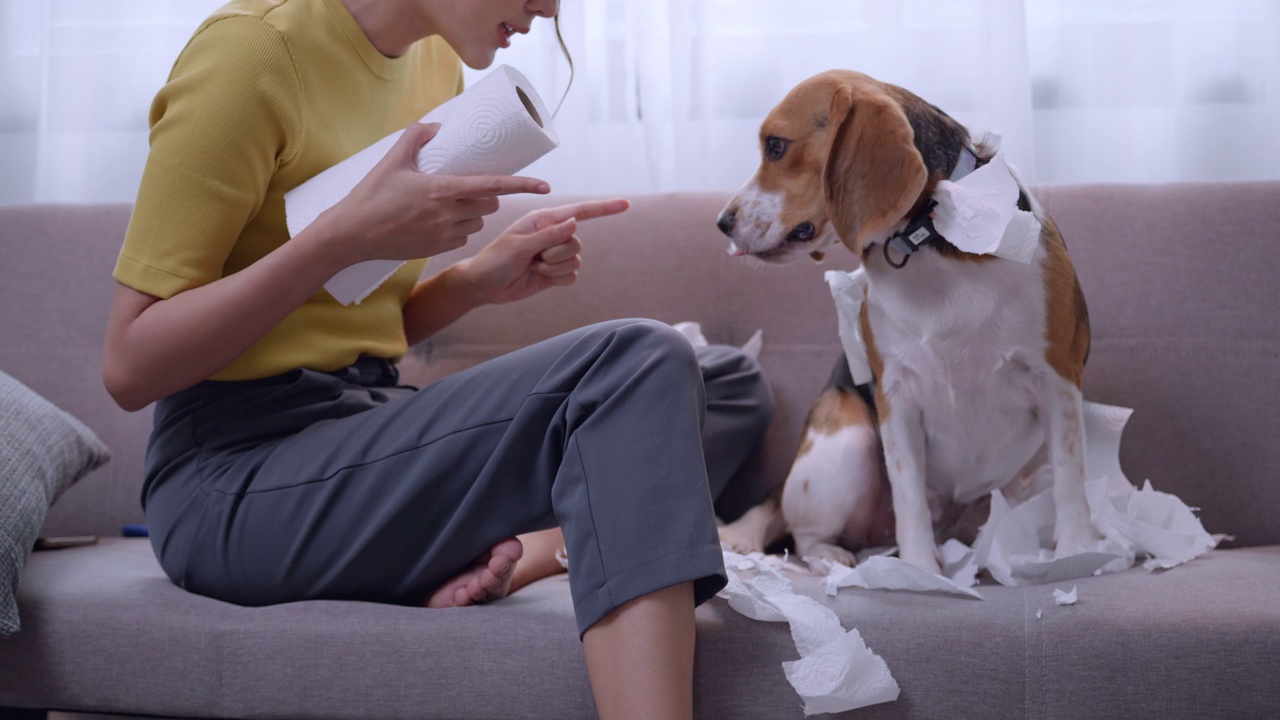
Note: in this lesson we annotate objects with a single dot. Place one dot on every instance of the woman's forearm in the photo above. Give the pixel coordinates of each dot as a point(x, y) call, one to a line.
point(438, 302)
point(158, 347)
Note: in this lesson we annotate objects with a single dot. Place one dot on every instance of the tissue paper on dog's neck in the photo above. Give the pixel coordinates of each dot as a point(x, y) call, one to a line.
point(496, 127)
point(979, 214)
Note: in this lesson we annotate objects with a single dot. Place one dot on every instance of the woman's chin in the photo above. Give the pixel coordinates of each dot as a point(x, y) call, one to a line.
point(478, 58)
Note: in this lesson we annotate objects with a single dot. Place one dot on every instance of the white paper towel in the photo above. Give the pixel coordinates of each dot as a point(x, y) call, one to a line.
point(849, 290)
point(836, 670)
point(1015, 544)
point(891, 573)
point(979, 214)
point(1134, 523)
point(498, 126)
point(692, 331)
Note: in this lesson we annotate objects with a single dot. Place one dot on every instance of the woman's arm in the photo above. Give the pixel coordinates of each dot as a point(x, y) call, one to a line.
point(157, 347)
point(537, 252)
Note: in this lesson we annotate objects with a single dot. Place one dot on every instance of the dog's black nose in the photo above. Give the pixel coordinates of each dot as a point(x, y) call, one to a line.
point(728, 220)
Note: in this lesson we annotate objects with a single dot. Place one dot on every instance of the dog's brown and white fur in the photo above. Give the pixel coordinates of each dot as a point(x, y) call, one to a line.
point(977, 359)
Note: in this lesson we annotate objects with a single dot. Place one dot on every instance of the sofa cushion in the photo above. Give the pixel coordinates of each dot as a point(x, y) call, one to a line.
point(106, 631)
point(43, 450)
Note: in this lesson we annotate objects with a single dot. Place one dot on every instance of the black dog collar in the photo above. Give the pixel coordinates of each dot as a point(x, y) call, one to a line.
point(920, 230)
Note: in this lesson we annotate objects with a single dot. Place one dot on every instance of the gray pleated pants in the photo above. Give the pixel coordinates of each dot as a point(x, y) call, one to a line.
point(343, 485)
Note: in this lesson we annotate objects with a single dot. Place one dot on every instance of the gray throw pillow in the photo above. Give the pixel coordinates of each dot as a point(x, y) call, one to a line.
point(43, 450)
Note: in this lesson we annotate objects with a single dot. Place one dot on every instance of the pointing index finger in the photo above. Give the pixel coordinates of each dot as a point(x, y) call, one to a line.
point(474, 186)
point(584, 211)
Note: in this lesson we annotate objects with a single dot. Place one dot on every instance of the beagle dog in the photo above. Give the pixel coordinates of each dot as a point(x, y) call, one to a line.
point(976, 359)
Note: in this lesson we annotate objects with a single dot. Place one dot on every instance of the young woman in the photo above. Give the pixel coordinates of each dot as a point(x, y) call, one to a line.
point(287, 463)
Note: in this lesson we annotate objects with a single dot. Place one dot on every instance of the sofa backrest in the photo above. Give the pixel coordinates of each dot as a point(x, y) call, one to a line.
point(1177, 277)
point(55, 291)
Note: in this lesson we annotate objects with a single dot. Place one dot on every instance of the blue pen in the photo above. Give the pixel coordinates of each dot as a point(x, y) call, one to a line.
point(134, 531)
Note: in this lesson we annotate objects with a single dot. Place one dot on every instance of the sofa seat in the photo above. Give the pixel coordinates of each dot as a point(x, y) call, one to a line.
point(105, 630)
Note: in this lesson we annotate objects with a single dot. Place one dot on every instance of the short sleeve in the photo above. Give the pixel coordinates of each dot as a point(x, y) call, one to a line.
point(229, 115)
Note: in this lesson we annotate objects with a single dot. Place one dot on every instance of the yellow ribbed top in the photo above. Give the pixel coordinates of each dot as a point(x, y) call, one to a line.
point(266, 94)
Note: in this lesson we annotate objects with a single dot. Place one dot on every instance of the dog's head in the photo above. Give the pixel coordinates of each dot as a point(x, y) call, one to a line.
point(845, 157)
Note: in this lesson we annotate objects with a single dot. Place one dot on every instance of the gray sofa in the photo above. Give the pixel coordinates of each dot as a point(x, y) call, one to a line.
point(1181, 282)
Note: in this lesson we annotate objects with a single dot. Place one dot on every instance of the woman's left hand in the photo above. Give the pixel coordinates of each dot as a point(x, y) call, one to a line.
point(538, 251)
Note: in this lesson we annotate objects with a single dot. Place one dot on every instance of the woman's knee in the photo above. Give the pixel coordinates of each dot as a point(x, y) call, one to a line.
point(654, 346)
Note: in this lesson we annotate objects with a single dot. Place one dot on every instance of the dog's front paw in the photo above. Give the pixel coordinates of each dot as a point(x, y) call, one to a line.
point(1075, 538)
point(827, 552)
point(735, 539)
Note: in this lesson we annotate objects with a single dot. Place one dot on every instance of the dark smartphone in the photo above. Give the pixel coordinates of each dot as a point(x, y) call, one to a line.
point(56, 542)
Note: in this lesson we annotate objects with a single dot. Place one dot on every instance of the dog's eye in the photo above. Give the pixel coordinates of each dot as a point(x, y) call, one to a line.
point(775, 147)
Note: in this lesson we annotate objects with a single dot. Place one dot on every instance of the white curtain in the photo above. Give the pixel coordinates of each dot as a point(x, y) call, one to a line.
point(76, 82)
point(669, 94)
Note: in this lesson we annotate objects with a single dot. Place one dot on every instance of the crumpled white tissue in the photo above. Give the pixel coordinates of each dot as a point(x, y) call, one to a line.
point(1014, 544)
point(849, 290)
point(836, 671)
point(891, 573)
point(1065, 597)
point(692, 331)
point(979, 214)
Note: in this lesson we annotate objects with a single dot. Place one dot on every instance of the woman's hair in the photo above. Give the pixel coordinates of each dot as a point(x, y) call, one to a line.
point(564, 49)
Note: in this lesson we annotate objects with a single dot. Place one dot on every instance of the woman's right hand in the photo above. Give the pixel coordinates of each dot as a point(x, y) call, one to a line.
point(400, 213)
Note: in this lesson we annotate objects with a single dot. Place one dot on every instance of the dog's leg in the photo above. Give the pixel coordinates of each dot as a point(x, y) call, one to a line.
point(757, 529)
point(832, 491)
point(903, 437)
point(1063, 413)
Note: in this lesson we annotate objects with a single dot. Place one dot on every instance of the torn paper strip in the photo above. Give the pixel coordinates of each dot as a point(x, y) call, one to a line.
point(979, 214)
point(692, 331)
point(1064, 597)
point(840, 671)
point(849, 290)
point(1015, 545)
point(836, 671)
point(891, 573)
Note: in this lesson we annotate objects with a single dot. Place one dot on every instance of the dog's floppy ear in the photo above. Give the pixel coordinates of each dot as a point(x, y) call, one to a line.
point(874, 174)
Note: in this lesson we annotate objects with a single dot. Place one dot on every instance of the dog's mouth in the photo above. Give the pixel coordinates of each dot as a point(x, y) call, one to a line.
point(801, 239)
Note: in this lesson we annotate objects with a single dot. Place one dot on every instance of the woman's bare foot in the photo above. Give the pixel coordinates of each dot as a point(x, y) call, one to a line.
point(489, 579)
point(539, 559)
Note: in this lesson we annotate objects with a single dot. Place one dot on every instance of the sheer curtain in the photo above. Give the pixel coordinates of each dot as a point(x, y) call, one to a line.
point(669, 94)
point(76, 82)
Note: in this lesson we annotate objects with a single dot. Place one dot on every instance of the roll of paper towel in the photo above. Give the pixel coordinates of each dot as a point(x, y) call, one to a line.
point(498, 126)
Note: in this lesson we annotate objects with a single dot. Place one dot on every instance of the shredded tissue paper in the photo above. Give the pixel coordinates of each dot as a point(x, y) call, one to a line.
point(836, 671)
point(692, 332)
point(498, 126)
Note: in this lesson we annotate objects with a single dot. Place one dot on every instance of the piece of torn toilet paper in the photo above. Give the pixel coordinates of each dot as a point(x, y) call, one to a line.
point(891, 573)
point(692, 331)
point(1015, 543)
point(979, 214)
point(849, 290)
point(836, 671)
point(1064, 597)
point(498, 126)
